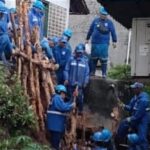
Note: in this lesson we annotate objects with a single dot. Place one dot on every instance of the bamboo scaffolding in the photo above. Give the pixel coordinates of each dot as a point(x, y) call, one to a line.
point(35, 73)
point(32, 69)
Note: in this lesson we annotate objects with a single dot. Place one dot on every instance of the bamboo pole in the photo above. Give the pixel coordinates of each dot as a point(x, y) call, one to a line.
point(20, 36)
point(44, 64)
point(32, 69)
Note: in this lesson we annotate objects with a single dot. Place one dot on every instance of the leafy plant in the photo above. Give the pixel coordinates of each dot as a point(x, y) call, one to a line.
point(147, 89)
point(21, 143)
point(120, 72)
point(15, 111)
point(17, 117)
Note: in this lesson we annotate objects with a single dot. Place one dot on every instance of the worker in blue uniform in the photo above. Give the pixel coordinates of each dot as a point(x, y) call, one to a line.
point(85, 55)
point(5, 44)
point(56, 115)
point(14, 24)
point(53, 42)
point(36, 17)
point(77, 74)
point(68, 33)
point(102, 140)
point(62, 55)
point(47, 46)
point(133, 141)
point(2, 2)
point(100, 31)
point(139, 119)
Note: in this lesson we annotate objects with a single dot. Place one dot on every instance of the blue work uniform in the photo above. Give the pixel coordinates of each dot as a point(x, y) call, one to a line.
point(100, 31)
point(62, 55)
point(139, 119)
point(68, 46)
point(36, 19)
point(47, 49)
point(77, 73)
point(5, 44)
point(56, 119)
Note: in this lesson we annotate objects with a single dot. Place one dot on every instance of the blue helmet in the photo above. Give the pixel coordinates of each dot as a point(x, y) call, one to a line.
point(55, 39)
point(2, 1)
point(38, 4)
point(60, 88)
point(68, 32)
point(80, 48)
point(103, 11)
point(96, 136)
point(106, 135)
point(63, 39)
point(3, 9)
point(137, 85)
point(133, 138)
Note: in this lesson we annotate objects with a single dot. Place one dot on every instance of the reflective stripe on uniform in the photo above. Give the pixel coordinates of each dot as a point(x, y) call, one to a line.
point(56, 113)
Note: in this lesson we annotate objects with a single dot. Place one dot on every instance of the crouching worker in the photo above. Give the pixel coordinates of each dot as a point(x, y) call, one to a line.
point(77, 73)
point(139, 117)
point(102, 140)
point(56, 115)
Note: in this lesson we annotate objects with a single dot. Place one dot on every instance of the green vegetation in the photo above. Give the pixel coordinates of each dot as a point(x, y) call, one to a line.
point(21, 143)
point(147, 89)
point(120, 72)
point(17, 118)
point(15, 112)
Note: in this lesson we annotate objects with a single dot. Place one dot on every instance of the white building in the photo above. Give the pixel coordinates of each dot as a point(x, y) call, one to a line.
point(56, 15)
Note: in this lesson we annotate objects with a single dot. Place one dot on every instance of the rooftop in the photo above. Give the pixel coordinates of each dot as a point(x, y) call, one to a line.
point(124, 10)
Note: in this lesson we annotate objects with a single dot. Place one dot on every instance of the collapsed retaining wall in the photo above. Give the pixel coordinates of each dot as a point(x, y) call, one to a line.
point(100, 99)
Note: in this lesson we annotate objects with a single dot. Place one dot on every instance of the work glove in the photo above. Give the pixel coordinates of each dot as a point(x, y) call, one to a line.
point(73, 104)
point(56, 66)
point(128, 119)
point(114, 45)
point(121, 104)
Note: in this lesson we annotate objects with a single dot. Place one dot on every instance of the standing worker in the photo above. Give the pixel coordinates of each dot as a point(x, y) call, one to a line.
point(139, 119)
point(68, 33)
point(62, 55)
point(46, 47)
point(100, 30)
point(56, 115)
point(36, 17)
point(2, 2)
point(77, 73)
point(5, 43)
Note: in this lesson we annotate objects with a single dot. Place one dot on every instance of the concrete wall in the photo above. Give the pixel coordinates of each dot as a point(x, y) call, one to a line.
point(80, 25)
